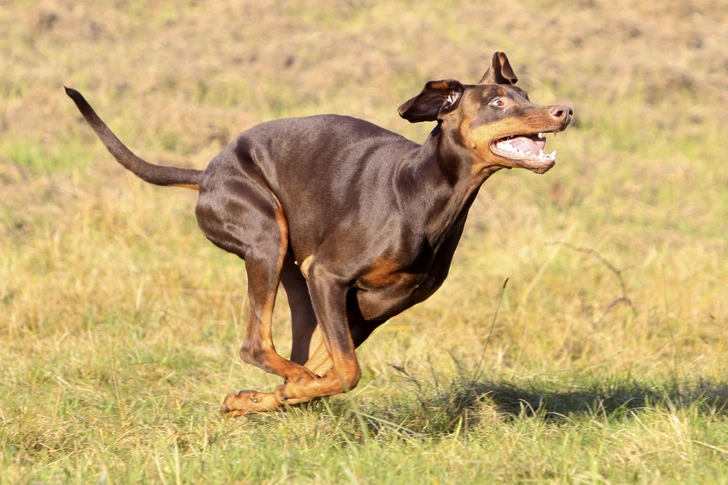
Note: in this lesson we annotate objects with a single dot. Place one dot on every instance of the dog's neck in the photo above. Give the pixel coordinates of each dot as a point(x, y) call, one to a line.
point(442, 184)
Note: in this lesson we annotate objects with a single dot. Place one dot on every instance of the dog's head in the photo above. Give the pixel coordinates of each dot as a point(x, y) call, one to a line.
point(493, 120)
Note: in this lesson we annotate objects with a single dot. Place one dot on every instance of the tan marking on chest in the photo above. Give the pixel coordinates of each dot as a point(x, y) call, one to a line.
point(383, 272)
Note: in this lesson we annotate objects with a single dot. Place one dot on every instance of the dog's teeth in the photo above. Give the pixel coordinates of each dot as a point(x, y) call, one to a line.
point(540, 135)
point(540, 154)
point(553, 154)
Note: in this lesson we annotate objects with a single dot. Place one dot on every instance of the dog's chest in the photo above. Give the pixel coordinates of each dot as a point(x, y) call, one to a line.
point(390, 288)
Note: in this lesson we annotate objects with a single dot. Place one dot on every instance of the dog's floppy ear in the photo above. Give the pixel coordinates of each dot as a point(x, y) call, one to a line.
point(500, 71)
point(437, 97)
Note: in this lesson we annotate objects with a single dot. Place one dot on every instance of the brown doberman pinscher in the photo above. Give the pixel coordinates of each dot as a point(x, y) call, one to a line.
point(356, 222)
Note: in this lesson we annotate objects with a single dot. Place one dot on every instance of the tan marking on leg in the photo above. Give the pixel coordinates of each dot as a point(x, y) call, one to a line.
point(317, 340)
point(250, 402)
point(343, 375)
point(341, 378)
point(283, 367)
point(267, 317)
point(320, 361)
point(263, 353)
point(305, 265)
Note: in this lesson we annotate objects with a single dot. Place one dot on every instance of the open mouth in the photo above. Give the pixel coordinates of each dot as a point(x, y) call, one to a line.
point(527, 149)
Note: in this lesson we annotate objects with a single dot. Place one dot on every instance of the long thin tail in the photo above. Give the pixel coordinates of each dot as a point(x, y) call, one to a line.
point(154, 174)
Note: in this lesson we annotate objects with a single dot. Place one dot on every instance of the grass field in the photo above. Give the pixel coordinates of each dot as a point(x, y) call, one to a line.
point(602, 360)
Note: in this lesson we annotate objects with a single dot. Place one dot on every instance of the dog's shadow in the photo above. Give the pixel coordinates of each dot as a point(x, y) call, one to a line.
point(608, 398)
point(465, 401)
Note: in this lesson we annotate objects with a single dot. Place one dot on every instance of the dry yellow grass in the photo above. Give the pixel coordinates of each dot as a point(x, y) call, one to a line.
point(119, 322)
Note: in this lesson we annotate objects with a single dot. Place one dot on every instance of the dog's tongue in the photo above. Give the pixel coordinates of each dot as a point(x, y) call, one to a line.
point(525, 143)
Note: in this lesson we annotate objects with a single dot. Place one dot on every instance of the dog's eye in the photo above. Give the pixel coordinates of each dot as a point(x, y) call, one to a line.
point(497, 103)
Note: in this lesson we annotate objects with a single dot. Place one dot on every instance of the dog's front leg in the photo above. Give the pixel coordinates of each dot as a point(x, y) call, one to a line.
point(328, 296)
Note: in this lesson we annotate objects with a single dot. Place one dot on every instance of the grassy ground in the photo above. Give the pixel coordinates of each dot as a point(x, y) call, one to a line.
point(119, 323)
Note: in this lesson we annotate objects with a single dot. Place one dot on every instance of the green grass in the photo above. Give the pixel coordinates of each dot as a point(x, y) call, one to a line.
point(602, 360)
point(42, 160)
point(594, 428)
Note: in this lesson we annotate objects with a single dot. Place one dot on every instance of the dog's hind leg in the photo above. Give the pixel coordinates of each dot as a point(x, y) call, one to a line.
point(249, 222)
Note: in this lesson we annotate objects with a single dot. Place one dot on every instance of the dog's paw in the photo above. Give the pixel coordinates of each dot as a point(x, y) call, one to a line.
point(248, 402)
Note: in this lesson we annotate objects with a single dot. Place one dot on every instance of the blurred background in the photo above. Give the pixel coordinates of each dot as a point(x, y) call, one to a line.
point(641, 177)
